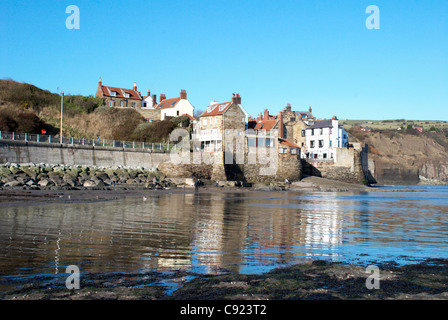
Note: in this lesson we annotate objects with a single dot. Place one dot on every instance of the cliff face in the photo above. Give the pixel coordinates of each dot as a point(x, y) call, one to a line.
point(407, 158)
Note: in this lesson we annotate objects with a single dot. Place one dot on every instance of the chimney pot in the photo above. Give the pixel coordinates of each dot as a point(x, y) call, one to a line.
point(135, 86)
point(236, 98)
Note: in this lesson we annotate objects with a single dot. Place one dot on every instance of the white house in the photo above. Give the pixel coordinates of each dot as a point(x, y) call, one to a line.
point(323, 137)
point(175, 107)
point(149, 102)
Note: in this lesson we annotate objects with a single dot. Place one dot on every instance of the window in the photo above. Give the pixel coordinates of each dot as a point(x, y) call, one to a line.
point(134, 104)
point(111, 104)
point(121, 104)
point(303, 133)
point(127, 95)
point(269, 142)
point(113, 93)
point(216, 120)
point(251, 142)
point(325, 156)
point(321, 131)
point(292, 119)
point(312, 132)
point(321, 143)
point(204, 122)
point(261, 142)
point(177, 113)
point(293, 151)
point(331, 143)
point(282, 150)
point(331, 131)
point(312, 144)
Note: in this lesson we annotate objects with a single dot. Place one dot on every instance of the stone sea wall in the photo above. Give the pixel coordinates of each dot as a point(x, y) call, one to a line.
point(56, 154)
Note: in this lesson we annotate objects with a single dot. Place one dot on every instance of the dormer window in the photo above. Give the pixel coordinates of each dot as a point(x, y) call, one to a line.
point(221, 107)
point(113, 93)
point(127, 95)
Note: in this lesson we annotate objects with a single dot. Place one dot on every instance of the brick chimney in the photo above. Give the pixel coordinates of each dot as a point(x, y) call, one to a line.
point(149, 93)
point(100, 83)
point(266, 114)
point(183, 94)
point(162, 97)
point(281, 128)
point(236, 98)
point(288, 107)
point(154, 100)
point(310, 110)
point(135, 86)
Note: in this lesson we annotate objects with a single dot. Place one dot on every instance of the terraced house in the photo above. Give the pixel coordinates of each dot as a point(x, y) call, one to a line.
point(147, 105)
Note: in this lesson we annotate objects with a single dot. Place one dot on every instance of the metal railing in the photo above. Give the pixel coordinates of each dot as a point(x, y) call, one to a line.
point(42, 138)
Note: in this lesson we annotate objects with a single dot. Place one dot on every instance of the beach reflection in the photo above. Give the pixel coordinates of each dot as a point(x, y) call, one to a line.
point(209, 232)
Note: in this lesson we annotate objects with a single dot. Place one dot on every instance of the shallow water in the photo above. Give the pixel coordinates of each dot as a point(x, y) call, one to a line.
point(238, 232)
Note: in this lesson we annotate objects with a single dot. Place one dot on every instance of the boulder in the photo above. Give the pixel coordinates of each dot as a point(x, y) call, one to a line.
point(89, 184)
point(13, 183)
point(45, 183)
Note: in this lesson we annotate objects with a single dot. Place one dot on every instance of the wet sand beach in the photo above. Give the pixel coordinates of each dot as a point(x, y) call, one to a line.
point(18, 196)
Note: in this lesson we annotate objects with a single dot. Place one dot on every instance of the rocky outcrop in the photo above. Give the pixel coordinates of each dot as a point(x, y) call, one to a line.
point(407, 158)
point(435, 171)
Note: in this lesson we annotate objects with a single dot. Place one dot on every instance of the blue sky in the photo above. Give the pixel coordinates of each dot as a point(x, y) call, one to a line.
point(307, 53)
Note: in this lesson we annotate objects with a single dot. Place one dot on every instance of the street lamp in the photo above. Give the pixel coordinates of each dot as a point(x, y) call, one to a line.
point(62, 108)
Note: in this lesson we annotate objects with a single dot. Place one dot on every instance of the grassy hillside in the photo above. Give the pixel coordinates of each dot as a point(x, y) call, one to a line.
point(27, 108)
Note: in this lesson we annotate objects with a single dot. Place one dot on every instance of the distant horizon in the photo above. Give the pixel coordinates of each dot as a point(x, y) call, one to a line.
point(341, 58)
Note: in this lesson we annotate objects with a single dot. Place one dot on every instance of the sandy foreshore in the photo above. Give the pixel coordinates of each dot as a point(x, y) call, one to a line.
point(19, 196)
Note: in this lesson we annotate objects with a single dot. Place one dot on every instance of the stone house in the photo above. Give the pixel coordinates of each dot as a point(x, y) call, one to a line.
point(119, 97)
point(293, 125)
point(290, 124)
point(221, 121)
